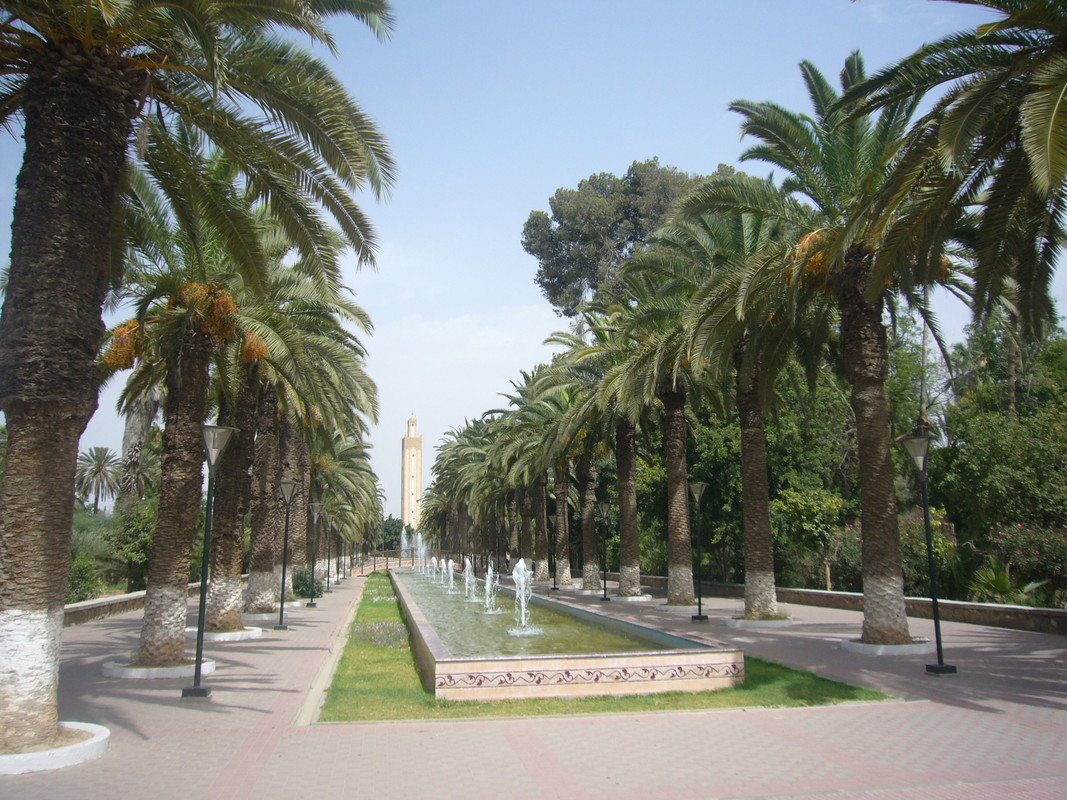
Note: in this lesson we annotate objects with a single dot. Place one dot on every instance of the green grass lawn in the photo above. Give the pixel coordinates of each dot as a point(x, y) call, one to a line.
point(376, 679)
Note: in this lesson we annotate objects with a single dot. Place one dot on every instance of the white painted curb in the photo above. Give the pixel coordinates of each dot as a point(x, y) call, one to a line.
point(756, 624)
point(68, 755)
point(226, 636)
point(916, 648)
point(118, 669)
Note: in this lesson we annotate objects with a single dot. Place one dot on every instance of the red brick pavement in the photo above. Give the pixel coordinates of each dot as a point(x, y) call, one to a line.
point(998, 729)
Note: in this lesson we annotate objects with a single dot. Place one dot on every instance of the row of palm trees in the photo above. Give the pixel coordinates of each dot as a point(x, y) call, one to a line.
point(273, 344)
point(198, 161)
point(875, 208)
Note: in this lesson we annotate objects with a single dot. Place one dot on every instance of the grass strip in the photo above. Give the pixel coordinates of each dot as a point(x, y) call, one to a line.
point(377, 679)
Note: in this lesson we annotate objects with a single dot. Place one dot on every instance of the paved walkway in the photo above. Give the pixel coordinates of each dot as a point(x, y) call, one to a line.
point(998, 729)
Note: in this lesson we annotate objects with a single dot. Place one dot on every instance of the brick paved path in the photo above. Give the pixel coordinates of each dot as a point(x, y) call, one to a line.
point(996, 730)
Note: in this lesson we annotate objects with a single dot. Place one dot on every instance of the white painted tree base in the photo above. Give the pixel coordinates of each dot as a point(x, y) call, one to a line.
point(917, 648)
point(756, 624)
point(632, 598)
point(118, 669)
point(93, 746)
point(226, 636)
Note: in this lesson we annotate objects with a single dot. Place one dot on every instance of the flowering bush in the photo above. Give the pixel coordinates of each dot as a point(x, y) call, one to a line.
point(1032, 553)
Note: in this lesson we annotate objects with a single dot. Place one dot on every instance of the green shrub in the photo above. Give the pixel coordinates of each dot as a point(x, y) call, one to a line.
point(302, 583)
point(82, 582)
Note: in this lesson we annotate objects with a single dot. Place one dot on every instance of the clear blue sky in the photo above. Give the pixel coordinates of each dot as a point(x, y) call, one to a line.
point(490, 107)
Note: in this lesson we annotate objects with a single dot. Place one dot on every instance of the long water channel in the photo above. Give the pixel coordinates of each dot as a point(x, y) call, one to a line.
point(468, 632)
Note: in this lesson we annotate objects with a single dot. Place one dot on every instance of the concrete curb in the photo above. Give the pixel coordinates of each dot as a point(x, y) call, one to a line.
point(118, 669)
point(308, 712)
point(86, 750)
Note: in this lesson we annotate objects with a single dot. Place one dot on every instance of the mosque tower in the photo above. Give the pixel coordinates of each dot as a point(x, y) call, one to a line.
point(411, 477)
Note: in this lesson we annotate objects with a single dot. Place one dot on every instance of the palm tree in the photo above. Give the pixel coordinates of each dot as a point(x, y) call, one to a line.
point(592, 357)
point(83, 78)
point(1002, 131)
point(307, 368)
point(746, 322)
point(658, 370)
point(97, 475)
point(840, 166)
point(292, 336)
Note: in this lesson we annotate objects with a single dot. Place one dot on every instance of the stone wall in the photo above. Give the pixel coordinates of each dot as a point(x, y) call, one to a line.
point(101, 607)
point(1025, 618)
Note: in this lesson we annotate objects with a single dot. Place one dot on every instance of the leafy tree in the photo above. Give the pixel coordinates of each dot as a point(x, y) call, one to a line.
point(132, 541)
point(391, 530)
point(593, 229)
point(813, 519)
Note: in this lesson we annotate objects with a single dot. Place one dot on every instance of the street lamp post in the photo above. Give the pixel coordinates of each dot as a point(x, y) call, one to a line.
point(329, 550)
point(604, 508)
point(216, 437)
point(315, 509)
point(918, 446)
point(696, 488)
point(288, 489)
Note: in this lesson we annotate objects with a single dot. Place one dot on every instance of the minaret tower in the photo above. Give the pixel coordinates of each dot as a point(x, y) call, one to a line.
point(411, 477)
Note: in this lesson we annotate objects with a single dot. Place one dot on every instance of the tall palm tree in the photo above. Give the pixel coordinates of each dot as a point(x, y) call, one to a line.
point(747, 322)
point(84, 78)
point(840, 165)
point(587, 367)
point(97, 475)
point(295, 336)
point(658, 370)
point(1001, 129)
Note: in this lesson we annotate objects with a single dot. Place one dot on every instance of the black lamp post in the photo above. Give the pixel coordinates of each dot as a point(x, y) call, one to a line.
point(216, 437)
point(552, 518)
point(315, 509)
point(288, 489)
point(696, 488)
point(918, 445)
point(604, 509)
point(329, 550)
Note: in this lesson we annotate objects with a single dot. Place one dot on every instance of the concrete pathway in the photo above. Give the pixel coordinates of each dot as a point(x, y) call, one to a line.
point(998, 729)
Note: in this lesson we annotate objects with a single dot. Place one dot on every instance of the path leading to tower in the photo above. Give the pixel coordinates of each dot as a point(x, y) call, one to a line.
point(996, 730)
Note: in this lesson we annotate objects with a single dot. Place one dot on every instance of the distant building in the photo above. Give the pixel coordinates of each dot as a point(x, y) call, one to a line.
point(411, 477)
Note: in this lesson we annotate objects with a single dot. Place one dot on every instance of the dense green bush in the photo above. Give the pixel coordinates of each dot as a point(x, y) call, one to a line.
point(82, 580)
point(1032, 555)
point(132, 540)
point(302, 583)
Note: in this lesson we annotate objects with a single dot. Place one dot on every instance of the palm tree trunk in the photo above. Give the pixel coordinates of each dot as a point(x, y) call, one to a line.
point(167, 597)
point(525, 516)
point(299, 529)
point(290, 469)
point(679, 545)
point(233, 488)
point(76, 127)
point(587, 504)
point(140, 413)
point(626, 475)
point(562, 488)
point(36, 508)
point(513, 526)
point(262, 588)
point(866, 361)
point(761, 601)
point(540, 558)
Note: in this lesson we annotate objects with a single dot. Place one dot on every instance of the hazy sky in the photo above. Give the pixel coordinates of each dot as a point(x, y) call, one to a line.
point(492, 106)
